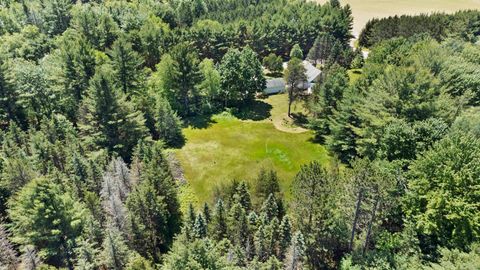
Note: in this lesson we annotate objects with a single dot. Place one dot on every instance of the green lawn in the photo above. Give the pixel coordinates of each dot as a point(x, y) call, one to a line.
point(224, 148)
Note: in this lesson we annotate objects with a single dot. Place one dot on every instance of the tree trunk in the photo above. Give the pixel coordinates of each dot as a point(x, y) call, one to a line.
point(369, 231)
point(355, 219)
point(290, 98)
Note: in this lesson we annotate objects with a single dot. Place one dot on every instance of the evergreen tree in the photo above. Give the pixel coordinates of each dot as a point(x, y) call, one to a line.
point(219, 222)
point(153, 36)
point(44, 216)
point(87, 255)
point(108, 119)
point(10, 110)
point(327, 94)
point(77, 66)
point(8, 254)
point(206, 213)
point(242, 196)
point(295, 258)
point(296, 52)
point(155, 170)
point(126, 65)
point(270, 208)
point(200, 227)
point(188, 77)
point(148, 218)
point(295, 77)
point(115, 252)
point(285, 237)
point(168, 126)
point(209, 87)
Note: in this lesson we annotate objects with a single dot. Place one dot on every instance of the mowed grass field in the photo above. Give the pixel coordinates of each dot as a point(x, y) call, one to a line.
point(227, 147)
point(364, 10)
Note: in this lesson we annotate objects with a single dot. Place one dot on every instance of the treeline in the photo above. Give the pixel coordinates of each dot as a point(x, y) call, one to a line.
point(414, 110)
point(462, 25)
point(90, 94)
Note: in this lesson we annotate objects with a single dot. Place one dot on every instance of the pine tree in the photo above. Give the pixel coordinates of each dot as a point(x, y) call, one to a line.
point(126, 65)
point(261, 244)
point(219, 222)
point(326, 98)
point(188, 77)
point(168, 126)
point(200, 227)
point(8, 254)
point(156, 171)
point(242, 196)
point(285, 237)
point(206, 213)
point(270, 208)
point(87, 255)
point(44, 216)
point(10, 110)
point(115, 252)
point(296, 52)
point(108, 119)
point(295, 77)
point(295, 257)
point(148, 215)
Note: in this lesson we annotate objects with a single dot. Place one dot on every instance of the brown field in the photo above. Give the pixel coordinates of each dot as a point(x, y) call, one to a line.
point(364, 10)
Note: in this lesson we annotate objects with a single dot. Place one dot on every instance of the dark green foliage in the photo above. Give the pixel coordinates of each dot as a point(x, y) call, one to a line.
point(439, 26)
point(439, 201)
point(273, 63)
point(296, 52)
point(108, 119)
point(47, 218)
point(219, 222)
point(167, 124)
point(241, 76)
point(127, 66)
point(327, 94)
point(295, 78)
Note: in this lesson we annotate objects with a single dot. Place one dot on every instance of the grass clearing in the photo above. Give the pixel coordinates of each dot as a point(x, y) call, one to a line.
point(364, 10)
point(229, 147)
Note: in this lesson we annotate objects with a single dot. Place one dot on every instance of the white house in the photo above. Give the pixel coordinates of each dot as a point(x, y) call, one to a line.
point(277, 85)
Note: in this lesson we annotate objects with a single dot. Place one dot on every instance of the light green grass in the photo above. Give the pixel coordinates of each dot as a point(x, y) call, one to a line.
point(354, 75)
point(364, 10)
point(230, 148)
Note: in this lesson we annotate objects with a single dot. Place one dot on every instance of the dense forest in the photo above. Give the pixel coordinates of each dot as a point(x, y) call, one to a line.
point(94, 93)
point(461, 25)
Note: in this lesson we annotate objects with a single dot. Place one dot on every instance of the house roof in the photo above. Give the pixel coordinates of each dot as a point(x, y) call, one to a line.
point(311, 71)
point(275, 82)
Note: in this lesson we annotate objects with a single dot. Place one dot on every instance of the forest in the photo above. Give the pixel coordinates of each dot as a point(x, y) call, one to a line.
point(94, 95)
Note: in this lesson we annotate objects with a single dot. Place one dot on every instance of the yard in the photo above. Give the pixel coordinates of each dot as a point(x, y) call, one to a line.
point(231, 146)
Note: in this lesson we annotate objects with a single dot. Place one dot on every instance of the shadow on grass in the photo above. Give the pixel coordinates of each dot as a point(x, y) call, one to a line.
point(300, 120)
point(255, 110)
point(199, 121)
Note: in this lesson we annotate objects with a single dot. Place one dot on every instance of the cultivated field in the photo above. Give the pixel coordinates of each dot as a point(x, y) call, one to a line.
point(364, 10)
point(228, 147)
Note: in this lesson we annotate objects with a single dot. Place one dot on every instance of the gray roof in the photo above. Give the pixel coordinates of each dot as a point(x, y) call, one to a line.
point(275, 82)
point(312, 71)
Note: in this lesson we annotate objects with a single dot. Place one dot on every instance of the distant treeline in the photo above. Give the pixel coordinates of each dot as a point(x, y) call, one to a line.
point(462, 24)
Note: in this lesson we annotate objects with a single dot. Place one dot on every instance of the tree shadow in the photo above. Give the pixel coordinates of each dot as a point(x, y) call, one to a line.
point(300, 119)
point(199, 121)
point(255, 110)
